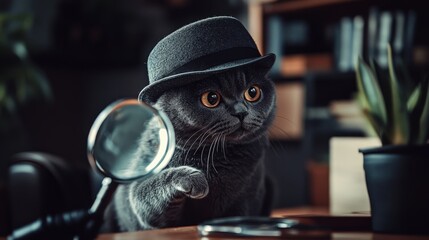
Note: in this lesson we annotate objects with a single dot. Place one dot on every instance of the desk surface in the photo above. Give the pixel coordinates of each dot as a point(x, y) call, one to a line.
point(358, 221)
point(191, 233)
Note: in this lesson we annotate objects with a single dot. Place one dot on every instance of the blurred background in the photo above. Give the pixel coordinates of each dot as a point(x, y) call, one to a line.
point(63, 61)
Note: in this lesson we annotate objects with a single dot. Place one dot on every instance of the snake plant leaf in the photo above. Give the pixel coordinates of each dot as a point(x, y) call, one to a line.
point(368, 85)
point(361, 100)
point(404, 76)
point(424, 121)
point(419, 115)
point(415, 105)
point(414, 98)
point(20, 50)
point(377, 125)
point(400, 130)
point(382, 77)
point(20, 80)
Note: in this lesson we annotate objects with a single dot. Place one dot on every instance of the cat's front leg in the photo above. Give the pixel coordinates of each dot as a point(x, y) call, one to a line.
point(158, 201)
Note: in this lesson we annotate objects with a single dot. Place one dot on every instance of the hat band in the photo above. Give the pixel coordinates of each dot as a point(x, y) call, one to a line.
point(215, 59)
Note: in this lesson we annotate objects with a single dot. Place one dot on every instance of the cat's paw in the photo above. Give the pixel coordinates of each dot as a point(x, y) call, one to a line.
point(191, 182)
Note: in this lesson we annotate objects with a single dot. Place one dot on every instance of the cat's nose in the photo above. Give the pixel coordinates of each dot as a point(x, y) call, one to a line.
point(240, 111)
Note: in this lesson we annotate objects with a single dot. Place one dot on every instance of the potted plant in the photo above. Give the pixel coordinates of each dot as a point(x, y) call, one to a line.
point(397, 173)
point(21, 84)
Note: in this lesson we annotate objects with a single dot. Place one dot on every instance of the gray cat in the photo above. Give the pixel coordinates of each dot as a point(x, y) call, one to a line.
point(217, 169)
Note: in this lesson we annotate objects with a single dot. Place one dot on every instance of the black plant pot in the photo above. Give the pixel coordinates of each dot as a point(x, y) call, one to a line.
point(397, 179)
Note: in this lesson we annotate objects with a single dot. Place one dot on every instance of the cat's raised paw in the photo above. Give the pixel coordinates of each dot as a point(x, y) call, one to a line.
point(191, 182)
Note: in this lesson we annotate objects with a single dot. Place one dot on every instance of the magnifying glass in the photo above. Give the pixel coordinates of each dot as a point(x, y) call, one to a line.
point(114, 141)
point(129, 140)
point(115, 149)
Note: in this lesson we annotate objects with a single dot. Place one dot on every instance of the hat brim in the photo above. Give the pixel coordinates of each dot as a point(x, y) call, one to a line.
point(151, 92)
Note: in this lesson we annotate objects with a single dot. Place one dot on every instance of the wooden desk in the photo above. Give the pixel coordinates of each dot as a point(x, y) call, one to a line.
point(191, 233)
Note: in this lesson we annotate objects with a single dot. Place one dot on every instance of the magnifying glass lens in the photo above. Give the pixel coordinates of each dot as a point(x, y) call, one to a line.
point(129, 140)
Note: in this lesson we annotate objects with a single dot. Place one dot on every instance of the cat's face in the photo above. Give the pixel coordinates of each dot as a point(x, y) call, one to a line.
point(237, 105)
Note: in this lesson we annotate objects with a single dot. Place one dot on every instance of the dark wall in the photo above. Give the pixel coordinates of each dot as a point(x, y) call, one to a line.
point(93, 53)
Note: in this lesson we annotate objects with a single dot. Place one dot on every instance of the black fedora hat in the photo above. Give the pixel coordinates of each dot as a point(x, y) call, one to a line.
point(198, 50)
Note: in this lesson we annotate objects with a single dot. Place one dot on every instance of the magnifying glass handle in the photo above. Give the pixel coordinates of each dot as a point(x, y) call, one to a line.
point(104, 196)
point(80, 224)
point(59, 226)
point(97, 209)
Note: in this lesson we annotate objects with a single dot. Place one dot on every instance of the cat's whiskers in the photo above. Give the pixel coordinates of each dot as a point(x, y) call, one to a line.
point(260, 119)
point(216, 135)
point(184, 145)
point(219, 140)
point(223, 147)
point(208, 158)
point(280, 147)
point(226, 128)
point(290, 122)
point(201, 160)
point(206, 135)
point(190, 148)
point(215, 148)
point(211, 152)
point(285, 118)
point(195, 140)
point(200, 136)
point(211, 132)
point(203, 138)
point(279, 129)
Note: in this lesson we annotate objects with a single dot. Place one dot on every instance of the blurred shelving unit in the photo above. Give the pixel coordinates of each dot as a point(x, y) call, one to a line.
point(317, 43)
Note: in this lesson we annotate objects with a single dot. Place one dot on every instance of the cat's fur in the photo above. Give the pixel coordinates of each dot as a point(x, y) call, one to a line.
point(217, 169)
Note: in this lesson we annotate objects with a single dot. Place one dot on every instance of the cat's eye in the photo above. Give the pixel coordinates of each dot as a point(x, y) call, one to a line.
point(253, 93)
point(210, 99)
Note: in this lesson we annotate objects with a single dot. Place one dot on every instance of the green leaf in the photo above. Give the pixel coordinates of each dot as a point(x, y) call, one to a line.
point(414, 98)
point(424, 122)
point(374, 126)
point(399, 129)
point(377, 126)
point(420, 115)
point(404, 76)
point(360, 97)
point(368, 86)
point(382, 77)
point(20, 50)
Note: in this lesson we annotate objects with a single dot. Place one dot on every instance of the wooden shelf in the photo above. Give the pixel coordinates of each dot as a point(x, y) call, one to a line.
point(288, 6)
point(259, 11)
point(297, 65)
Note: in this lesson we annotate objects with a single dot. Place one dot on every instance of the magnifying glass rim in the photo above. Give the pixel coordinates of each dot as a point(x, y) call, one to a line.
point(93, 133)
